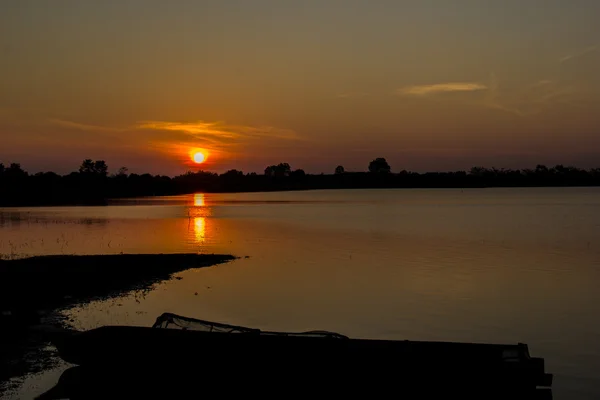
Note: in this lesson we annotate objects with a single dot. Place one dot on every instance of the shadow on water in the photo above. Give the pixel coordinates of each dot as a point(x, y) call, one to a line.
point(89, 383)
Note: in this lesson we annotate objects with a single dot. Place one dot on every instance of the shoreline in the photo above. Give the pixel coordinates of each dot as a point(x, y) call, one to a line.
point(33, 289)
point(110, 201)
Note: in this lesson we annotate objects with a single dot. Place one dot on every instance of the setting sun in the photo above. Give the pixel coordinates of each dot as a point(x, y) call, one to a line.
point(199, 158)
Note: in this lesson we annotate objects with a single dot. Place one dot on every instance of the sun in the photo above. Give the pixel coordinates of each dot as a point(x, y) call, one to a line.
point(199, 157)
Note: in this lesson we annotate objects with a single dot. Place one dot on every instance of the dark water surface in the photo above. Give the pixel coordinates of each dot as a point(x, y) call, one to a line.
point(483, 265)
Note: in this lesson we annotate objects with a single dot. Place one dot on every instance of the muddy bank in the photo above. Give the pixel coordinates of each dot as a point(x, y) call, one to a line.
point(32, 288)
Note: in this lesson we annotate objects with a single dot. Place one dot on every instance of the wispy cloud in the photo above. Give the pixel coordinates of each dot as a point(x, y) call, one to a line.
point(579, 53)
point(178, 139)
point(205, 130)
point(83, 127)
point(541, 95)
point(493, 100)
point(424, 90)
point(516, 98)
point(529, 100)
point(217, 133)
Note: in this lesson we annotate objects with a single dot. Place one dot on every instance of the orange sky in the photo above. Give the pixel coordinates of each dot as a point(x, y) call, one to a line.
point(428, 84)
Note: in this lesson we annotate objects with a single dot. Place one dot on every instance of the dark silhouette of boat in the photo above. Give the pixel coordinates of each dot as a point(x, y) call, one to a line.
point(181, 357)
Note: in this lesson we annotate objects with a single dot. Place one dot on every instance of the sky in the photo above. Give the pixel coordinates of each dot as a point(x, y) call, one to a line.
point(431, 85)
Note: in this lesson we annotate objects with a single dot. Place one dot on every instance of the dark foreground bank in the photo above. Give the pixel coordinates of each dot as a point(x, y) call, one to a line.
point(31, 289)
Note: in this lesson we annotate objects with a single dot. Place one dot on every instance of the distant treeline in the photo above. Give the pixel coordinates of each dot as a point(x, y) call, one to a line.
point(93, 185)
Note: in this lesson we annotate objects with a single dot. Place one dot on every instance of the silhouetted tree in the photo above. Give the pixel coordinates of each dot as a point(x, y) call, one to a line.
point(15, 171)
point(122, 171)
point(231, 180)
point(89, 167)
point(339, 170)
point(101, 168)
point(477, 171)
point(91, 186)
point(233, 172)
point(281, 169)
point(379, 165)
point(86, 167)
point(298, 173)
point(528, 172)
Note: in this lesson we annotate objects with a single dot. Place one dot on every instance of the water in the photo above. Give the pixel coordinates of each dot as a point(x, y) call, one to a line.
point(483, 265)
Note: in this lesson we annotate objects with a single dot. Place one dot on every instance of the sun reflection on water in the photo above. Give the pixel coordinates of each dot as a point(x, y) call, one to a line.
point(198, 213)
point(200, 229)
point(199, 199)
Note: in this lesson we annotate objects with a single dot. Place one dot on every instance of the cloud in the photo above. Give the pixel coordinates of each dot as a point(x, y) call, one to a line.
point(83, 127)
point(579, 54)
point(216, 134)
point(209, 131)
point(424, 90)
point(530, 99)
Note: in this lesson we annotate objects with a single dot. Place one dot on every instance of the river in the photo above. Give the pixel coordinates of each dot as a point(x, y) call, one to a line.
point(481, 265)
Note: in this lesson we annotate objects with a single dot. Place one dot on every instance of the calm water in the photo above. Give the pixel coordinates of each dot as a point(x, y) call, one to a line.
point(492, 265)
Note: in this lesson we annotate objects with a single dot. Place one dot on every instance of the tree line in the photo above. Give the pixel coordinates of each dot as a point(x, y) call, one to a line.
point(92, 184)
